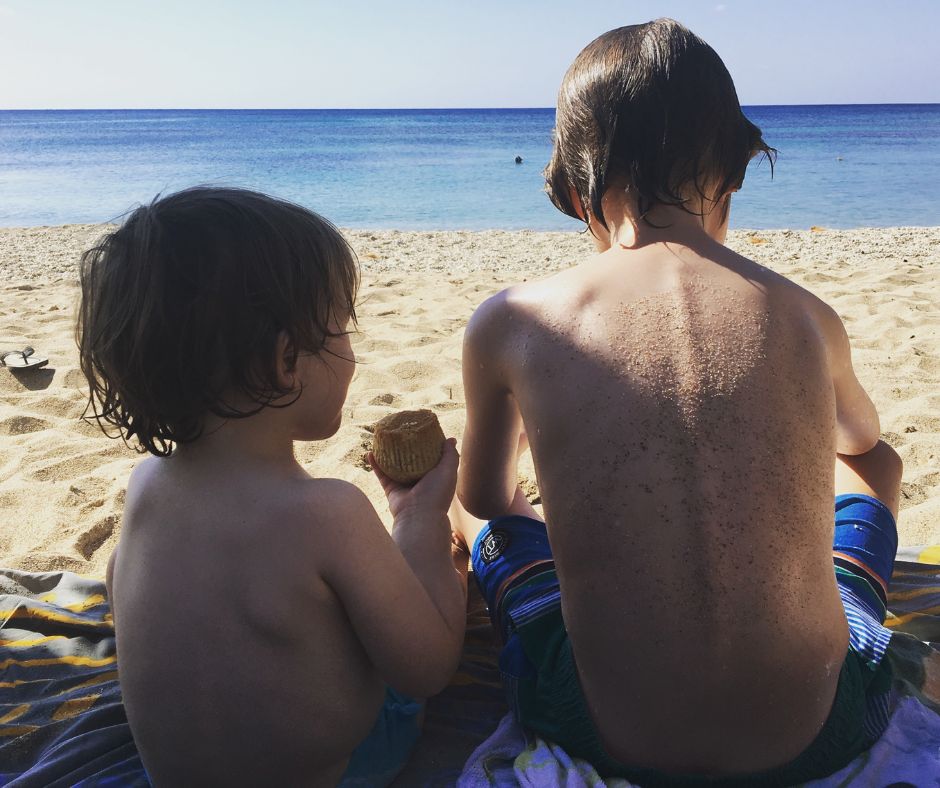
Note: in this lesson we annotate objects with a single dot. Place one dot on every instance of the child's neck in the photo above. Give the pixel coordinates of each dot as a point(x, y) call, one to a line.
point(627, 229)
point(261, 440)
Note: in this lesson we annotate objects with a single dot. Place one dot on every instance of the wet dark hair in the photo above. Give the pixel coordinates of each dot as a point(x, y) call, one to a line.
point(653, 109)
point(184, 303)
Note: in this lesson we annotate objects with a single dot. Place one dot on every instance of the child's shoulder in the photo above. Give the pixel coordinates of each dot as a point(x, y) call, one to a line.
point(497, 321)
point(334, 497)
point(513, 307)
point(791, 300)
point(298, 499)
point(144, 479)
point(317, 506)
point(766, 279)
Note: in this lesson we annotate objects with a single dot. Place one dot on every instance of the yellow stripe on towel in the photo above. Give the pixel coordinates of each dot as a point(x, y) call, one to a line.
point(896, 621)
point(75, 706)
point(913, 593)
point(110, 675)
point(34, 642)
point(18, 730)
point(928, 570)
point(88, 662)
point(49, 615)
point(930, 555)
point(17, 682)
point(75, 607)
point(11, 715)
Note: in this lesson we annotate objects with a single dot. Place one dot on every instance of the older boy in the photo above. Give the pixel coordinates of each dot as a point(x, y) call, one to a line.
point(686, 408)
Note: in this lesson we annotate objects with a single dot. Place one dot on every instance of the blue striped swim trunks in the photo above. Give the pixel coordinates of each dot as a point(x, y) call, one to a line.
point(514, 567)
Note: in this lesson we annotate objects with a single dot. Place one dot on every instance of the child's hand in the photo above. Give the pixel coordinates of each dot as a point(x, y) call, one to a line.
point(433, 492)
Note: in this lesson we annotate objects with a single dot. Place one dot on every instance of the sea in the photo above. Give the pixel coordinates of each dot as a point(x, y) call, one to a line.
point(838, 166)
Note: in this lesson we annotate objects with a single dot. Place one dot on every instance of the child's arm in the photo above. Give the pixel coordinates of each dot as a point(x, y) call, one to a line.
point(857, 424)
point(488, 476)
point(404, 598)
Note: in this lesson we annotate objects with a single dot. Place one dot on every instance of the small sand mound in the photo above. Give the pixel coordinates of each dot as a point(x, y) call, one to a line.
point(21, 425)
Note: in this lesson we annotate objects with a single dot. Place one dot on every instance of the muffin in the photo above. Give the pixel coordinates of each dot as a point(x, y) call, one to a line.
point(408, 444)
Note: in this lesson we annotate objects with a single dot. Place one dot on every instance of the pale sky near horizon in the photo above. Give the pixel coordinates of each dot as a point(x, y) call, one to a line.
point(61, 54)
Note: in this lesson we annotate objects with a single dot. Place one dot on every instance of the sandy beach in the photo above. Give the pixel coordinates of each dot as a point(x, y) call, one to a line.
point(62, 482)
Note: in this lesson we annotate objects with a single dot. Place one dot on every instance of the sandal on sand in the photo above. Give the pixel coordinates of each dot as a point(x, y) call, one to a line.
point(22, 359)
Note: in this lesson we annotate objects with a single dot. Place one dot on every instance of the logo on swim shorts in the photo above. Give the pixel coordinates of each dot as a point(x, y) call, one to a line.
point(493, 546)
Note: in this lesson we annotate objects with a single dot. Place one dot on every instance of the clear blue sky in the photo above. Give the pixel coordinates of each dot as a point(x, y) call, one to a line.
point(451, 53)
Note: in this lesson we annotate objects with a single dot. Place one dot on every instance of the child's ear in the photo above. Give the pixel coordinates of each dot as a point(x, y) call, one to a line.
point(576, 203)
point(285, 361)
point(584, 216)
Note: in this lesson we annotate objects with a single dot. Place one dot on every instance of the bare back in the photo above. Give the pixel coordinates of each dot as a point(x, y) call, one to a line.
point(681, 416)
point(236, 657)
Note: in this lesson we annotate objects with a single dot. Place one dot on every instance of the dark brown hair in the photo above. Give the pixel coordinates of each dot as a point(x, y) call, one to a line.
point(183, 305)
point(653, 109)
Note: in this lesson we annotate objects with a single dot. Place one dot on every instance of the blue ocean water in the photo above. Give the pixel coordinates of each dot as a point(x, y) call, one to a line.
point(839, 166)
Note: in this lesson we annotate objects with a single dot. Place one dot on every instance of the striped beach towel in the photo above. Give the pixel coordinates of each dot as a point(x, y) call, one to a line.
point(62, 722)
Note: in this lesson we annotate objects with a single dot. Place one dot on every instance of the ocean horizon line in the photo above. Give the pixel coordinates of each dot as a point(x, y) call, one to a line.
point(423, 109)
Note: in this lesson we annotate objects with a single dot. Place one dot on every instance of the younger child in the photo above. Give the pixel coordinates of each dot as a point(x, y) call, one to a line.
point(269, 630)
point(676, 620)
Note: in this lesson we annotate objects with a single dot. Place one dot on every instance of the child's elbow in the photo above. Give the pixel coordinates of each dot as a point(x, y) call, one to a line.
point(429, 686)
point(857, 438)
point(858, 427)
point(426, 678)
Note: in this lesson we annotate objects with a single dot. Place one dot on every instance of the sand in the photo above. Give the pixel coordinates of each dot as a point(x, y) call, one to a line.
point(62, 482)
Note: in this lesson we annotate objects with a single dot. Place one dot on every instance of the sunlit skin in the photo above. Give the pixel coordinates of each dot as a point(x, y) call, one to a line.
point(260, 612)
point(684, 407)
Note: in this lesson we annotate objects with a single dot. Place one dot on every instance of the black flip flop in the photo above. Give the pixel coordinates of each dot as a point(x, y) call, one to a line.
point(22, 359)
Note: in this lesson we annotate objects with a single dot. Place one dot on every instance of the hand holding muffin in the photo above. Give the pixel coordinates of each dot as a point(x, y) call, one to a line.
point(408, 444)
point(415, 464)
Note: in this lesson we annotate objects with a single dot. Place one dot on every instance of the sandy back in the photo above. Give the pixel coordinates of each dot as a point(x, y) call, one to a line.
point(682, 427)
